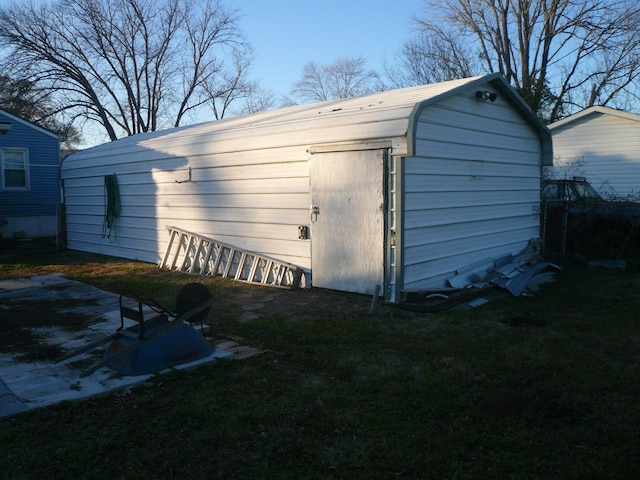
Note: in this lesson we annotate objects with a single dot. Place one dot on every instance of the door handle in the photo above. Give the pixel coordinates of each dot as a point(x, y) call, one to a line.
point(314, 210)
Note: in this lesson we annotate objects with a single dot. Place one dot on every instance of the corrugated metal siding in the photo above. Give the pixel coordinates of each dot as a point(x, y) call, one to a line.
point(603, 148)
point(473, 191)
point(250, 176)
point(252, 200)
point(44, 157)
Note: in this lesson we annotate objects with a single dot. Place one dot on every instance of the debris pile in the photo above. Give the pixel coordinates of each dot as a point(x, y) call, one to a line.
point(525, 271)
point(517, 274)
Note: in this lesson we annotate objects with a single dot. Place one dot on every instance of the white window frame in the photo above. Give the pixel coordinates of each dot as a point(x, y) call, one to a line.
point(25, 154)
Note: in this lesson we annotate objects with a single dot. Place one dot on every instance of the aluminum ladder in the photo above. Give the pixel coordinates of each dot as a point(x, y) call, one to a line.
point(193, 253)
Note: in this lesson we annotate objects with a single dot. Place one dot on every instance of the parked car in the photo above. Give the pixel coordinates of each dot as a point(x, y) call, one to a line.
point(575, 218)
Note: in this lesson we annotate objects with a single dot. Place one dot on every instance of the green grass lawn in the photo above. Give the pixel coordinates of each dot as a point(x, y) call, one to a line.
point(541, 387)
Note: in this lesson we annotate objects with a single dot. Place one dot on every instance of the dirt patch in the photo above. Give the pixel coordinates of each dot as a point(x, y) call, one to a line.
point(25, 325)
point(249, 302)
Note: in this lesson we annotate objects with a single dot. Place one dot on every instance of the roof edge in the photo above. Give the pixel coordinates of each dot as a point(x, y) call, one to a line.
point(29, 124)
point(591, 110)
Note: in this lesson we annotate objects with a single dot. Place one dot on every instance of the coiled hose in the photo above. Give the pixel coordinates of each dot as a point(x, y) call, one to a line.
point(111, 205)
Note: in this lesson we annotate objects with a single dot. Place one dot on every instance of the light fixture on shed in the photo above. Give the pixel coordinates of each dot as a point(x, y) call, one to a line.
point(5, 127)
point(486, 95)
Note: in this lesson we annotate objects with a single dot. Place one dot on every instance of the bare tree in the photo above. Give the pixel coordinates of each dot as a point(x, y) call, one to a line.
point(344, 78)
point(559, 54)
point(258, 100)
point(23, 98)
point(434, 54)
point(232, 87)
point(130, 65)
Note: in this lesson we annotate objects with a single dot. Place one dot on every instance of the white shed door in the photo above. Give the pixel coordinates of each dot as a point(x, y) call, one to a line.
point(347, 232)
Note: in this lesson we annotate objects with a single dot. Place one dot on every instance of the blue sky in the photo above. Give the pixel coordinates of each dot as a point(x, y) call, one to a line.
point(287, 34)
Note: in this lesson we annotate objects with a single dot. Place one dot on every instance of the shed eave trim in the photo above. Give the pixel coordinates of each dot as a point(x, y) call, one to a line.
point(374, 144)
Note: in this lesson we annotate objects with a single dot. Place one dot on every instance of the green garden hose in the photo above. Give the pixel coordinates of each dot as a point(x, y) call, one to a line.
point(111, 205)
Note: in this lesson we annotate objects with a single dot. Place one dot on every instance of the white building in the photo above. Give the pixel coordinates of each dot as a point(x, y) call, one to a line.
point(398, 189)
point(603, 145)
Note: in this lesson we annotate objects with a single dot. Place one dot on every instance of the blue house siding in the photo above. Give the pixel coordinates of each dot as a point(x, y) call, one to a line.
point(32, 210)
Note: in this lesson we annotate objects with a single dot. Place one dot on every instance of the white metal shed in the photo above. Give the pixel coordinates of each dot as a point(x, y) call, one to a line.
point(603, 145)
point(398, 189)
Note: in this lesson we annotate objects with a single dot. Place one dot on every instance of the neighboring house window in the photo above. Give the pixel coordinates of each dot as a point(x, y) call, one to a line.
point(15, 172)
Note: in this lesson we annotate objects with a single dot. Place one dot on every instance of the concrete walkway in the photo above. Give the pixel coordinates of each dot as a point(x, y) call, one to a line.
point(25, 386)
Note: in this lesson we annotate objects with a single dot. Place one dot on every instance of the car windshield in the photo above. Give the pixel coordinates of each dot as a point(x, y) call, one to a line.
point(585, 191)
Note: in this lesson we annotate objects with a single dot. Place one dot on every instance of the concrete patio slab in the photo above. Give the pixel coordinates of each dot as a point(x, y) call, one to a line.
point(27, 385)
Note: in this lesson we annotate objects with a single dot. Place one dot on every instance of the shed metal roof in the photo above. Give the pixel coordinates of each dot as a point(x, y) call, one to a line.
point(388, 114)
point(594, 111)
